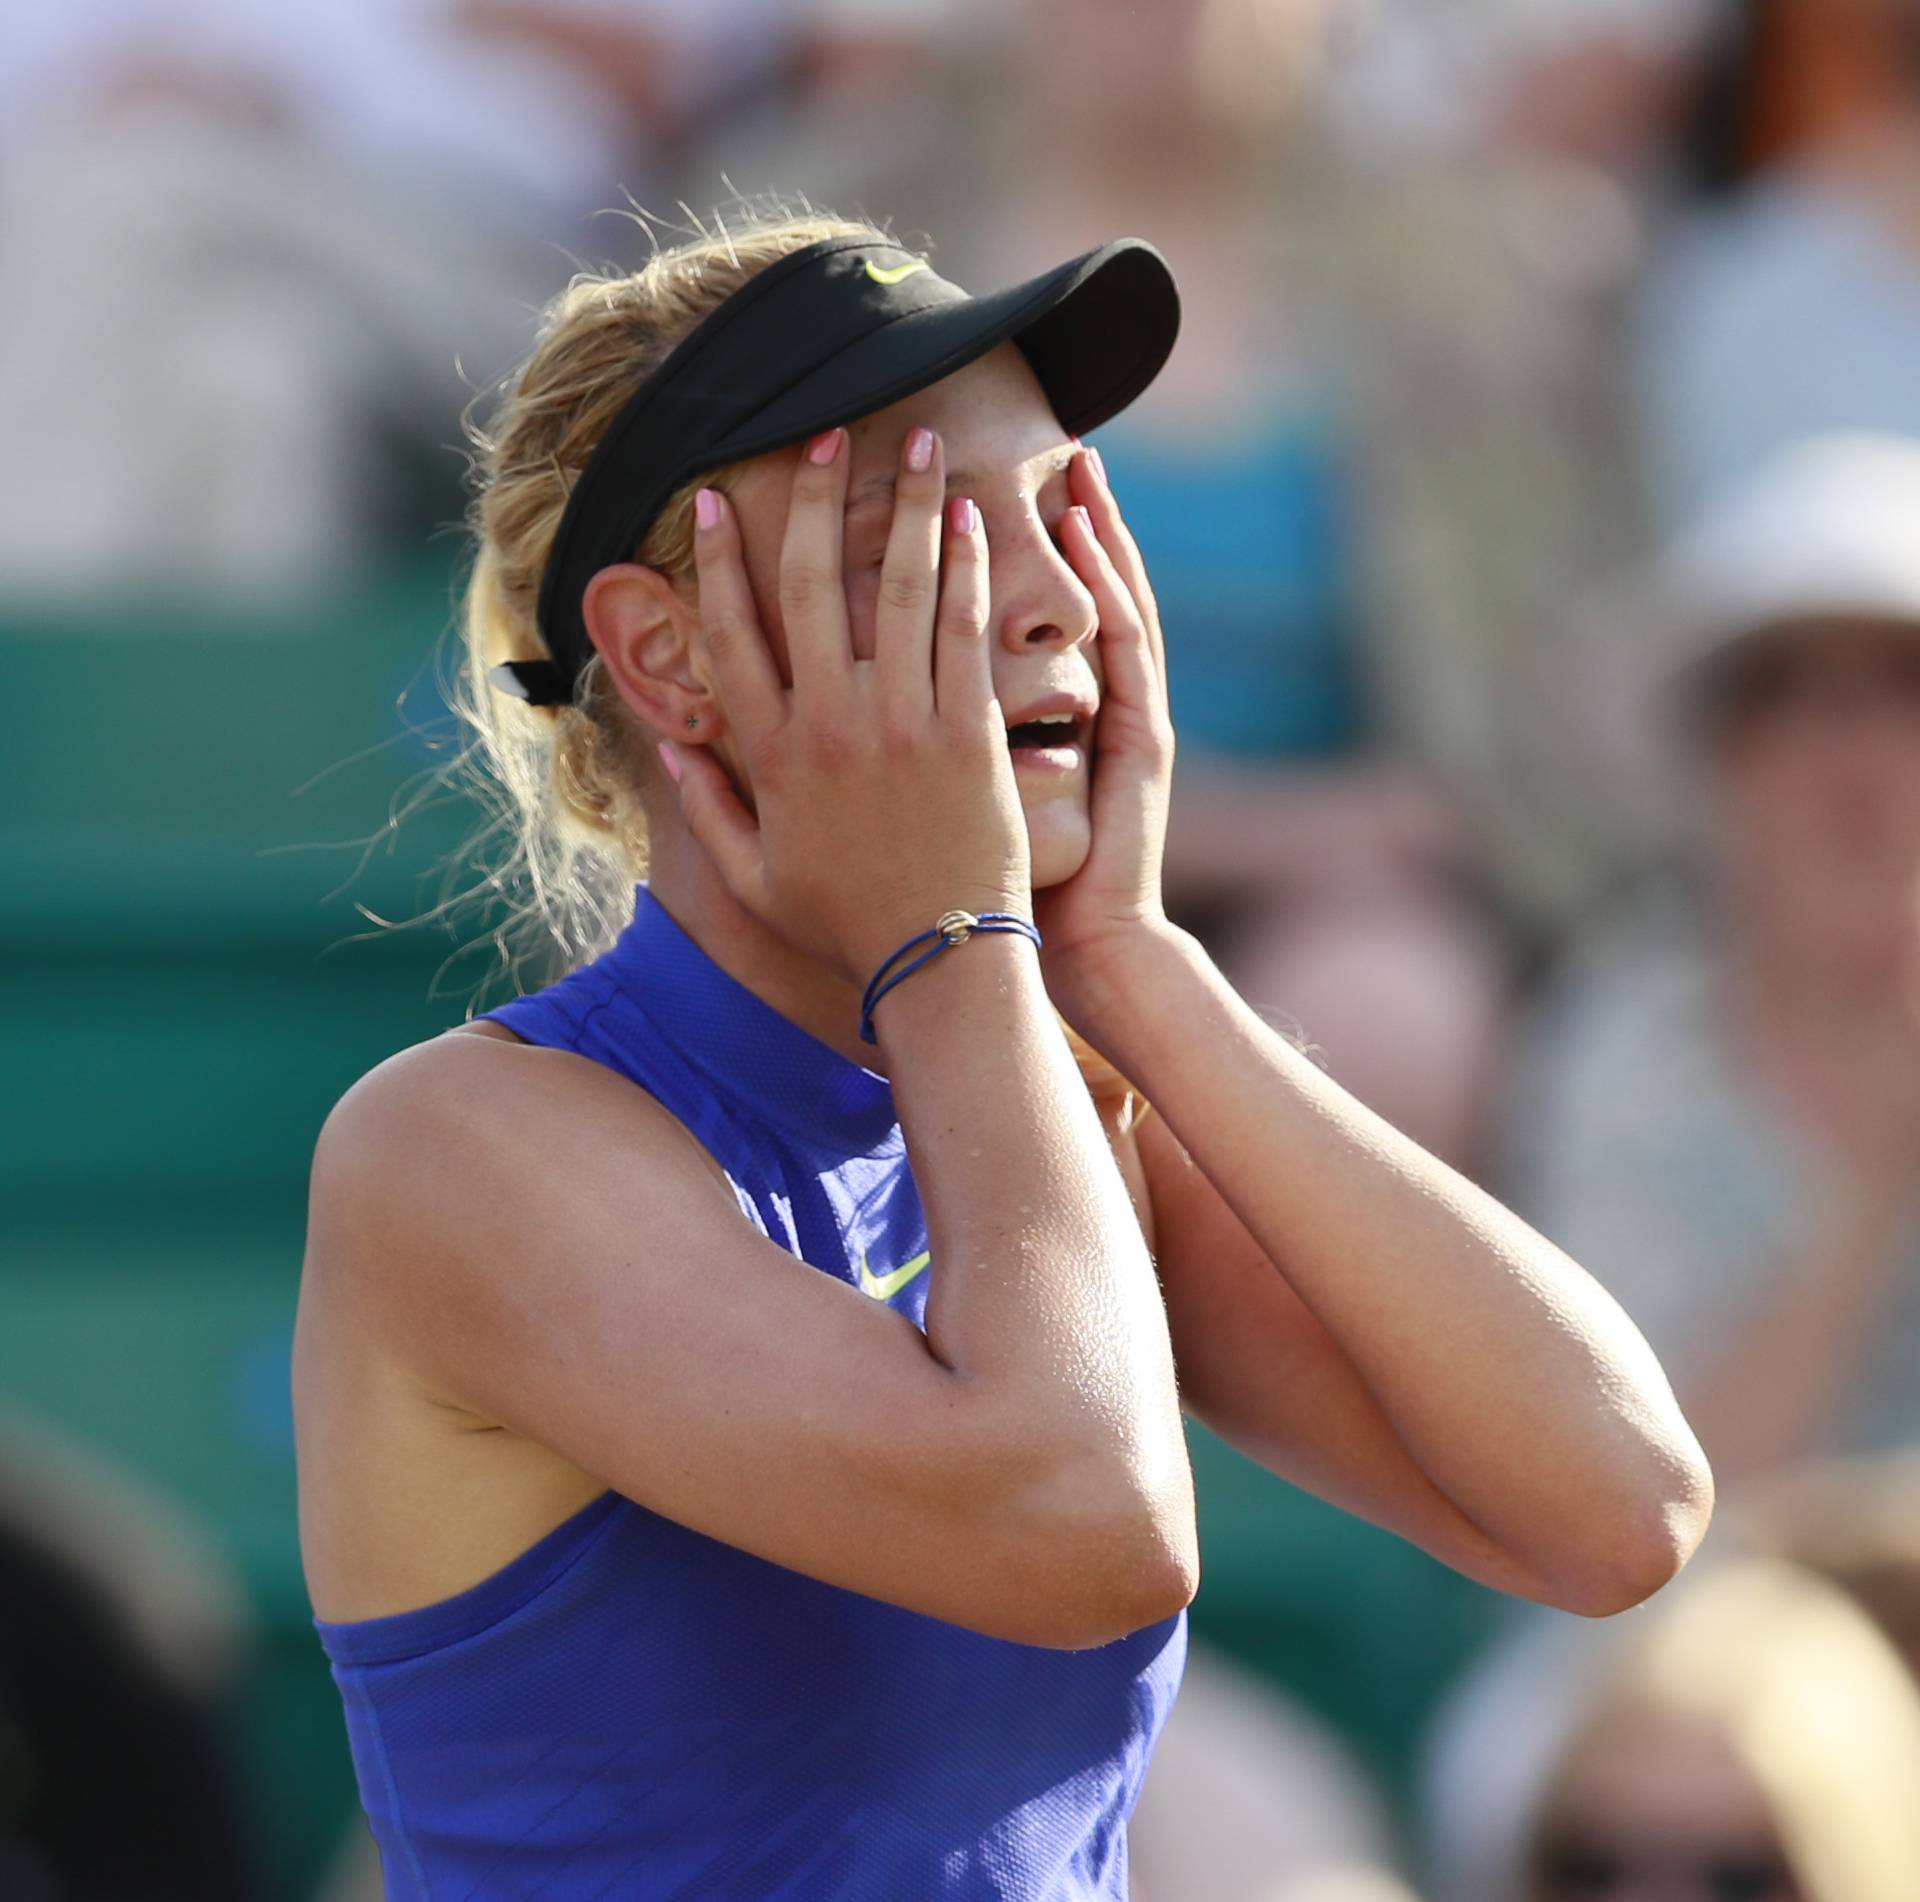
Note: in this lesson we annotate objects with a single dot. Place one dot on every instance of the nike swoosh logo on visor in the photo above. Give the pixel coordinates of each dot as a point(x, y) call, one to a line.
point(897, 273)
point(885, 1287)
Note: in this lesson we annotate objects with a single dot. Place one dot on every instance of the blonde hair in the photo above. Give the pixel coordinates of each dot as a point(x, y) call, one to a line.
point(1852, 1517)
point(564, 785)
point(1811, 1698)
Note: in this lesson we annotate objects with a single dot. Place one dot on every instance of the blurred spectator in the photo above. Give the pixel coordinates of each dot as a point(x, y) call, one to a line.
point(1750, 1734)
point(872, 120)
point(1595, 78)
point(1717, 1110)
point(256, 259)
point(862, 63)
point(1789, 303)
point(118, 1633)
point(1251, 1798)
point(672, 73)
point(1504, 171)
point(467, 105)
point(1857, 1522)
point(354, 1874)
point(179, 1601)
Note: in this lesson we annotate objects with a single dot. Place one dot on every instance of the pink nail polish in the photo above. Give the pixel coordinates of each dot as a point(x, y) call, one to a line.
point(706, 508)
point(962, 516)
point(824, 448)
point(671, 761)
point(920, 450)
point(1099, 467)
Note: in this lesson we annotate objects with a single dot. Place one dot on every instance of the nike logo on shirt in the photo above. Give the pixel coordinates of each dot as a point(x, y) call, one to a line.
point(884, 1287)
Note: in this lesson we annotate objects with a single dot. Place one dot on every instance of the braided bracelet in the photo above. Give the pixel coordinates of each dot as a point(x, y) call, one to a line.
point(955, 927)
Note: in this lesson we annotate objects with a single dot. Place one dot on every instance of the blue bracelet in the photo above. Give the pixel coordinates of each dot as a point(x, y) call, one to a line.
point(954, 928)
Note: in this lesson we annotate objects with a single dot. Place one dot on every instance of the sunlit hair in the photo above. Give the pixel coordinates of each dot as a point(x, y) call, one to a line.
point(567, 837)
point(1855, 1519)
point(1807, 1694)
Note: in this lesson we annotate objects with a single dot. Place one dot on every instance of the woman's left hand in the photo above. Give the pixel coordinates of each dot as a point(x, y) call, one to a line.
point(1093, 917)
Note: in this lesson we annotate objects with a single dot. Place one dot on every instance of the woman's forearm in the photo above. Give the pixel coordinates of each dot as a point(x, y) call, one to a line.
point(1042, 1292)
point(1511, 1377)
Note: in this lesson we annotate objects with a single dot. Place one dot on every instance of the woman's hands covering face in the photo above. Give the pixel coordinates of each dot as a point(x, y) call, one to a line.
point(881, 791)
point(1116, 892)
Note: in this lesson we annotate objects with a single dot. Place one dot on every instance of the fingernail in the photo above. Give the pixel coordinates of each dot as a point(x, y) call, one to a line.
point(824, 448)
point(706, 508)
point(671, 761)
point(1099, 467)
point(919, 450)
point(1086, 518)
point(962, 516)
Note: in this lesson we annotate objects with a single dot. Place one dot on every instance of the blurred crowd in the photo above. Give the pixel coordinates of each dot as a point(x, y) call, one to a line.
point(1533, 502)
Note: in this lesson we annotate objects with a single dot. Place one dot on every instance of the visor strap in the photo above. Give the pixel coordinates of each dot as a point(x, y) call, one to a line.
point(539, 682)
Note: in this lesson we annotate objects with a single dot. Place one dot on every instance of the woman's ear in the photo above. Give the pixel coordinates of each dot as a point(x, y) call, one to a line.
point(644, 631)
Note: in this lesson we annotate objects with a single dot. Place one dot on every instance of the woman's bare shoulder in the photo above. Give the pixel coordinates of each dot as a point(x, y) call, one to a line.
point(479, 1094)
point(407, 1494)
point(461, 1173)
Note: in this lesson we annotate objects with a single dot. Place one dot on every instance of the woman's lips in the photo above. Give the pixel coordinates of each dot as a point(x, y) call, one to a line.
point(1061, 757)
point(1055, 746)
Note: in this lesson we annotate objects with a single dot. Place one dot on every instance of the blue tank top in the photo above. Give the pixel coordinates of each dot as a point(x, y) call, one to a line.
point(633, 1711)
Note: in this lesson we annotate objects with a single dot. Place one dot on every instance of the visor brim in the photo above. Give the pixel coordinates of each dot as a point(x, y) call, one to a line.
point(1097, 331)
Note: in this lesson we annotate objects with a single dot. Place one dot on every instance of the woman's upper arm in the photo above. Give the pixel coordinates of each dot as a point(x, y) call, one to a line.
point(540, 1242)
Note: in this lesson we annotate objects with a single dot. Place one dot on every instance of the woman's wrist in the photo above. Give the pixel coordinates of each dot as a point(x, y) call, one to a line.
point(991, 980)
point(950, 930)
point(1112, 989)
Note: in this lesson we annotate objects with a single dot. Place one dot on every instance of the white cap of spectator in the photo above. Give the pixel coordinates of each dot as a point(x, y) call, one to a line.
point(1824, 532)
point(1827, 529)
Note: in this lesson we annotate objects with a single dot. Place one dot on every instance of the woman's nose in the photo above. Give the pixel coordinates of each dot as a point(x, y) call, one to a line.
point(1048, 605)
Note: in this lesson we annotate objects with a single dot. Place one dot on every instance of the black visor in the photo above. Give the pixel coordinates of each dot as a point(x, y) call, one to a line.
point(824, 336)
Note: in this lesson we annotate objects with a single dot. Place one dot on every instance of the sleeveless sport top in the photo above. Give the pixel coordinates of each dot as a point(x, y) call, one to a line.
point(632, 1710)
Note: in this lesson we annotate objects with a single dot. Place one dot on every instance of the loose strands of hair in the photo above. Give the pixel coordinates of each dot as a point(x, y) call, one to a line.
point(565, 785)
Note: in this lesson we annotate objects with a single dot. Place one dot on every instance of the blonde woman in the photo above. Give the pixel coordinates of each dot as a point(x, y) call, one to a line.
point(1759, 1741)
point(739, 1417)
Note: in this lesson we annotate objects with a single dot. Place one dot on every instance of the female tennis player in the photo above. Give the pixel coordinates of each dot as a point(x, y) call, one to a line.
point(739, 1384)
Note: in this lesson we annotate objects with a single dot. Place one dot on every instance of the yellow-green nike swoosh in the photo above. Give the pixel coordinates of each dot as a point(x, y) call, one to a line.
point(885, 1287)
point(897, 273)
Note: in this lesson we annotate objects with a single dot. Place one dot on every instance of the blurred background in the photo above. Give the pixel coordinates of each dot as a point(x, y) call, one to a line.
point(1533, 501)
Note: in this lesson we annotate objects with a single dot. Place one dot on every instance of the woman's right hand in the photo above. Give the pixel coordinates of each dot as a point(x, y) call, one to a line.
point(880, 793)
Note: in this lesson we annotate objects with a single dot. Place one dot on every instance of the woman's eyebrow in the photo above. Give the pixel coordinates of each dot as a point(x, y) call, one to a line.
point(881, 482)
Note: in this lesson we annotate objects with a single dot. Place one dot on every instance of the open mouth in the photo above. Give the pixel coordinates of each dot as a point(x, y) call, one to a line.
point(1055, 739)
